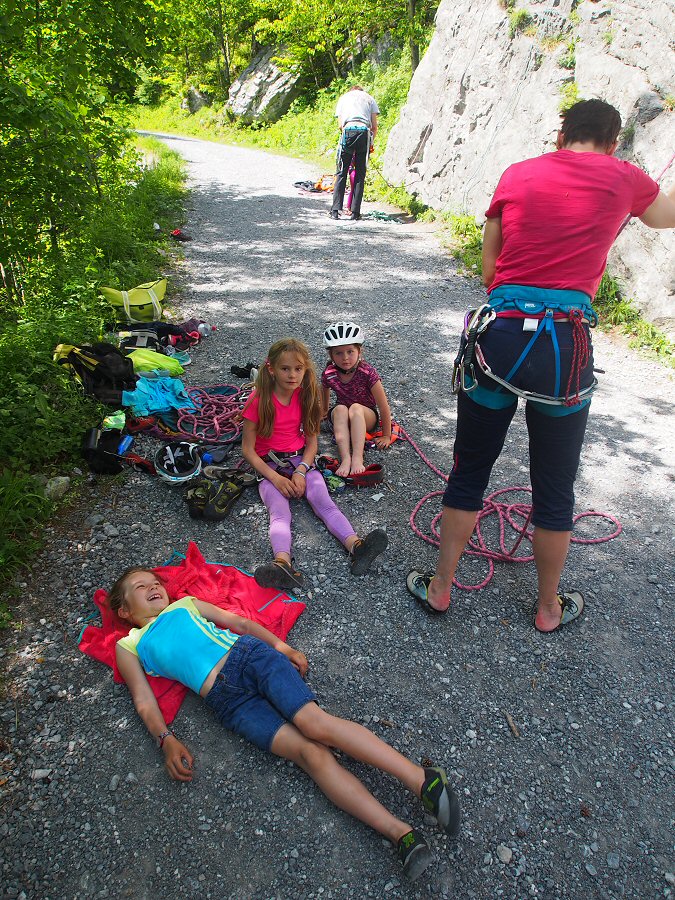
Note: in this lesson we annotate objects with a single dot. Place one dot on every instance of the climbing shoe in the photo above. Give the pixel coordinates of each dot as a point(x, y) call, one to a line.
point(439, 799)
point(221, 498)
point(366, 550)
point(414, 854)
point(212, 500)
point(196, 498)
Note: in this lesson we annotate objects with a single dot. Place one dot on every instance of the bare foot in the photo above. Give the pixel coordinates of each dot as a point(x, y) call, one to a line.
point(438, 596)
point(343, 468)
point(357, 466)
point(548, 617)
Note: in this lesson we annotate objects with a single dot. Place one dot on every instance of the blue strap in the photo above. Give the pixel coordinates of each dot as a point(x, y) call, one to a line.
point(550, 327)
point(523, 355)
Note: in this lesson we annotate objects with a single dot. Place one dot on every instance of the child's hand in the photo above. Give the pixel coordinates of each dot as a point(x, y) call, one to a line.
point(285, 486)
point(382, 442)
point(177, 759)
point(299, 483)
point(299, 660)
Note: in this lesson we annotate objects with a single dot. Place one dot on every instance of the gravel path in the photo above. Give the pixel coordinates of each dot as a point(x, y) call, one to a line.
point(577, 804)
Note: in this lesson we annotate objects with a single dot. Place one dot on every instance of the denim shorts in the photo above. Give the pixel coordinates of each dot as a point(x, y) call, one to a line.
point(257, 691)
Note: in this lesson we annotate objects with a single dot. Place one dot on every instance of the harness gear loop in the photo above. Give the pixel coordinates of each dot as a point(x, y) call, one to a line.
point(475, 323)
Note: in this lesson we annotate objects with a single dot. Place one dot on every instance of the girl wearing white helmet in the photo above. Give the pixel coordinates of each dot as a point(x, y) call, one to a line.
point(360, 398)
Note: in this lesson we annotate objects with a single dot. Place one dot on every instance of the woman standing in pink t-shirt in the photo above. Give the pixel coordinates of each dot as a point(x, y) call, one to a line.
point(280, 441)
point(549, 229)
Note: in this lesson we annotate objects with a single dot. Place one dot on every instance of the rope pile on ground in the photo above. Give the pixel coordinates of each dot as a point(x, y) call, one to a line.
point(216, 418)
point(515, 515)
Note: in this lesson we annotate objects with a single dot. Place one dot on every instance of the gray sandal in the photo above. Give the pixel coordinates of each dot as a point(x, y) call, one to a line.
point(571, 607)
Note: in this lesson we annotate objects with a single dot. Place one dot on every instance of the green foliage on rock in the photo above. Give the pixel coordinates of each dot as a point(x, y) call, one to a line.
point(519, 19)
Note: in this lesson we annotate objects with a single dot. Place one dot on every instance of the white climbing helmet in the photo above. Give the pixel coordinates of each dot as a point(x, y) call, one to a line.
point(341, 333)
point(178, 462)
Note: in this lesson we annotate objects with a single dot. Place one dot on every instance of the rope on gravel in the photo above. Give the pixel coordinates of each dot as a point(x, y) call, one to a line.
point(216, 418)
point(514, 515)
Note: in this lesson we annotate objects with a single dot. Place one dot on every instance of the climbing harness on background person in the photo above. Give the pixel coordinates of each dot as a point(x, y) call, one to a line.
point(515, 515)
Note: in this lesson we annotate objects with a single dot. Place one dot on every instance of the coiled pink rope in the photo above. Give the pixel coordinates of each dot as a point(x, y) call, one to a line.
point(216, 418)
point(515, 515)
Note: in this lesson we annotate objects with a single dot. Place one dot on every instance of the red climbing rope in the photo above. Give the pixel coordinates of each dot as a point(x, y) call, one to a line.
point(581, 354)
point(515, 515)
point(216, 418)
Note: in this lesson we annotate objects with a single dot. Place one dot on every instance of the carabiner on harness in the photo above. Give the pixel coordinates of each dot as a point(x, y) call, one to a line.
point(475, 323)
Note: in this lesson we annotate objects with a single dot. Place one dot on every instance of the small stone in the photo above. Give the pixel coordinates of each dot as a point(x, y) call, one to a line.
point(658, 706)
point(590, 868)
point(40, 774)
point(114, 781)
point(504, 853)
point(131, 778)
point(652, 579)
point(471, 734)
point(57, 488)
point(613, 860)
point(294, 853)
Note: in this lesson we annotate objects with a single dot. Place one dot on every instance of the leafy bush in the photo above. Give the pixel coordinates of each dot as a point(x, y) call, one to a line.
point(56, 300)
point(569, 95)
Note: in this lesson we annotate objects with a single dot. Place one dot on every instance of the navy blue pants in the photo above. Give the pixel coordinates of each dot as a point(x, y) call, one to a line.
point(555, 448)
point(356, 144)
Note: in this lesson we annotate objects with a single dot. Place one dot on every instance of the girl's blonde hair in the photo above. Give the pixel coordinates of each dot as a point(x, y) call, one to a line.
point(310, 401)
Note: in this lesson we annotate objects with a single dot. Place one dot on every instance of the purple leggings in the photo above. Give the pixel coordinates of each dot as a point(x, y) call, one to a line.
point(318, 498)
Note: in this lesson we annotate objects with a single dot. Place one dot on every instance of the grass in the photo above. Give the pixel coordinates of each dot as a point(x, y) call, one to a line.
point(617, 311)
point(463, 237)
point(44, 413)
point(552, 41)
point(519, 20)
point(568, 60)
point(569, 95)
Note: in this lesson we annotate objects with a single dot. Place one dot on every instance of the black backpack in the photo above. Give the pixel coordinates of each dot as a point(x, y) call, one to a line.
point(102, 370)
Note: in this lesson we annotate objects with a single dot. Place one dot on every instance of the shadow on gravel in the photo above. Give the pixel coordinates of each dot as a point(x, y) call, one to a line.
point(560, 746)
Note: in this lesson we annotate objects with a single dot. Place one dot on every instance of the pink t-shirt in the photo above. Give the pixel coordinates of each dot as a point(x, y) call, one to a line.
point(359, 388)
point(287, 429)
point(560, 215)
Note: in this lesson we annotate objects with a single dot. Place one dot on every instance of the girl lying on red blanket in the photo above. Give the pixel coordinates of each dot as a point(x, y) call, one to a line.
point(253, 681)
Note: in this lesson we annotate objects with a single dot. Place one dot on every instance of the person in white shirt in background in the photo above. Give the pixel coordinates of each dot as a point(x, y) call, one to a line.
point(357, 114)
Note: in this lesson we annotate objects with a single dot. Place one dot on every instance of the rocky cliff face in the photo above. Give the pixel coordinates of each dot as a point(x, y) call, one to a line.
point(264, 92)
point(484, 97)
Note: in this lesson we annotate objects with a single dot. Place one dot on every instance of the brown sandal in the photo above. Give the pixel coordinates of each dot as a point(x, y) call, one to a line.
point(278, 574)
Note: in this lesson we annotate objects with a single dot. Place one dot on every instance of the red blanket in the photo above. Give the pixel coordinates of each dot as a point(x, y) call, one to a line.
point(217, 583)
